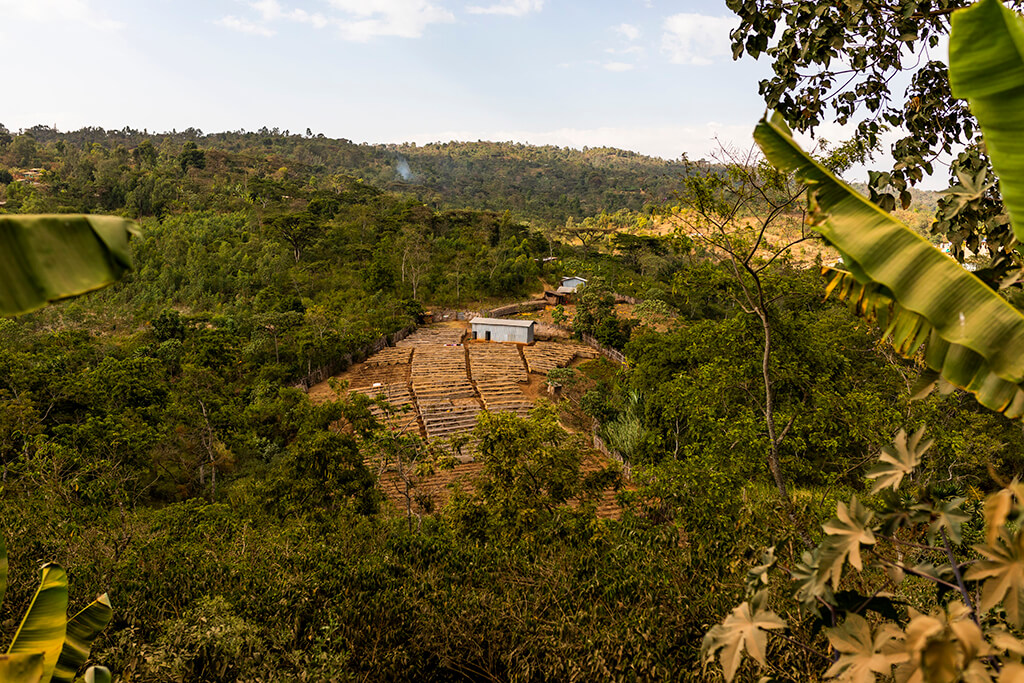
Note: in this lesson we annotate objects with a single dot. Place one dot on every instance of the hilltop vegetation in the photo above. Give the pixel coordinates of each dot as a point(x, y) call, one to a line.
point(121, 170)
point(152, 440)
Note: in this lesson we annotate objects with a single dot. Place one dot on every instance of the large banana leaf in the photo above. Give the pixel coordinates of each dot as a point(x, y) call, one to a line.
point(45, 258)
point(986, 67)
point(45, 622)
point(26, 667)
point(972, 336)
point(82, 630)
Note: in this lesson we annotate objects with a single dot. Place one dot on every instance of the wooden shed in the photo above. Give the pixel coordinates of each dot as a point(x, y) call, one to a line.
point(502, 330)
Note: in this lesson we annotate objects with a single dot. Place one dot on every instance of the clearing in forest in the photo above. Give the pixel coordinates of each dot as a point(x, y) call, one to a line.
point(439, 383)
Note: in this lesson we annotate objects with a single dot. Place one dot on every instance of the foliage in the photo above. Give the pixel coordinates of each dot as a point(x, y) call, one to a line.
point(847, 59)
point(970, 335)
point(961, 639)
point(47, 645)
point(46, 258)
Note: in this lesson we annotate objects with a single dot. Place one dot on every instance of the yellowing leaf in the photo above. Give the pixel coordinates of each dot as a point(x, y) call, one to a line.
point(998, 507)
point(744, 629)
point(1003, 574)
point(942, 647)
point(846, 532)
point(860, 655)
point(898, 460)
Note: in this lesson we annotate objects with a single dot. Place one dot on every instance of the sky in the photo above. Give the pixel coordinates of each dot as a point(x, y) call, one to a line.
point(645, 75)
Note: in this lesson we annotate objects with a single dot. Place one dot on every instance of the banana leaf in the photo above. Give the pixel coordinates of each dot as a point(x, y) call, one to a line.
point(26, 667)
point(45, 622)
point(986, 67)
point(969, 334)
point(81, 631)
point(97, 674)
point(50, 257)
point(909, 333)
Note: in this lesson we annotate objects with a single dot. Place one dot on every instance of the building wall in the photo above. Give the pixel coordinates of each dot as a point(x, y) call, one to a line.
point(503, 333)
point(572, 282)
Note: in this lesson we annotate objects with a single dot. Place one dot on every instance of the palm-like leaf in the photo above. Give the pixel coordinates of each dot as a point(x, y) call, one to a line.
point(850, 528)
point(898, 460)
point(82, 630)
point(26, 667)
point(46, 258)
point(972, 337)
point(45, 622)
point(986, 67)
point(744, 629)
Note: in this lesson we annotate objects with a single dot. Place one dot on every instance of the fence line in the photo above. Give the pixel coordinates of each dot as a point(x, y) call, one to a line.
point(606, 351)
point(334, 367)
point(599, 444)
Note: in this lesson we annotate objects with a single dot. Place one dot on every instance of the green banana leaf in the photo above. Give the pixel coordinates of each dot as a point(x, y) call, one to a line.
point(986, 67)
point(82, 630)
point(97, 674)
point(26, 667)
point(45, 622)
point(970, 335)
point(49, 257)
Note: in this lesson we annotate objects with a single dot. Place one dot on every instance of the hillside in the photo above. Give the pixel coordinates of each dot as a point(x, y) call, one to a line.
point(546, 184)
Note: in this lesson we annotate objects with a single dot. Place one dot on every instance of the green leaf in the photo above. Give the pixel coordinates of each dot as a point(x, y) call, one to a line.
point(986, 67)
point(45, 258)
point(898, 460)
point(82, 630)
point(946, 514)
point(744, 629)
point(758, 575)
point(846, 532)
point(26, 667)
point(97, 674)
point(861, 656)
point(972, 337)
point(45, 622)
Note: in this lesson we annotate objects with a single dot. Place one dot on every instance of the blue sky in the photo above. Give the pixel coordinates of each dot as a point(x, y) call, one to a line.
point(652, 76)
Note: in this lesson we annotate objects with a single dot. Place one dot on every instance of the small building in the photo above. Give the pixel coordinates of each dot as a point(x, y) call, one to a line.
point(502, 330)
point(569, 284)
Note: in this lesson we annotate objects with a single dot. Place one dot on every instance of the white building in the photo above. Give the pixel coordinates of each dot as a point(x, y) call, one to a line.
point(502, 330)
point(569, 284)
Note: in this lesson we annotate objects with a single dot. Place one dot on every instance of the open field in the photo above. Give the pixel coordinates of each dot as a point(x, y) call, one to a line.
point(437, 384)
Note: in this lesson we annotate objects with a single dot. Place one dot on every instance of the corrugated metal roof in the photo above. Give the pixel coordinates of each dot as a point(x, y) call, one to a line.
point(502, 321)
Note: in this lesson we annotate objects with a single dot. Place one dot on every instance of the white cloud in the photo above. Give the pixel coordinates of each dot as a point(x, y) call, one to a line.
point(617, 66)
point(244, 26)
point(356, 20)
point(627, 31)
point(52, 11)
point(696, 38)
point(512, 8)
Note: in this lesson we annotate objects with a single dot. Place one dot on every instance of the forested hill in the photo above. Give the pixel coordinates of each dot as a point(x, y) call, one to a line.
point(547, 184)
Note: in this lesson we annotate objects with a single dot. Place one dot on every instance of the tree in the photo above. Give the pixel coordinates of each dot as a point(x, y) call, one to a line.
point(843, 59)
point(731, 212)
point(970, 337)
